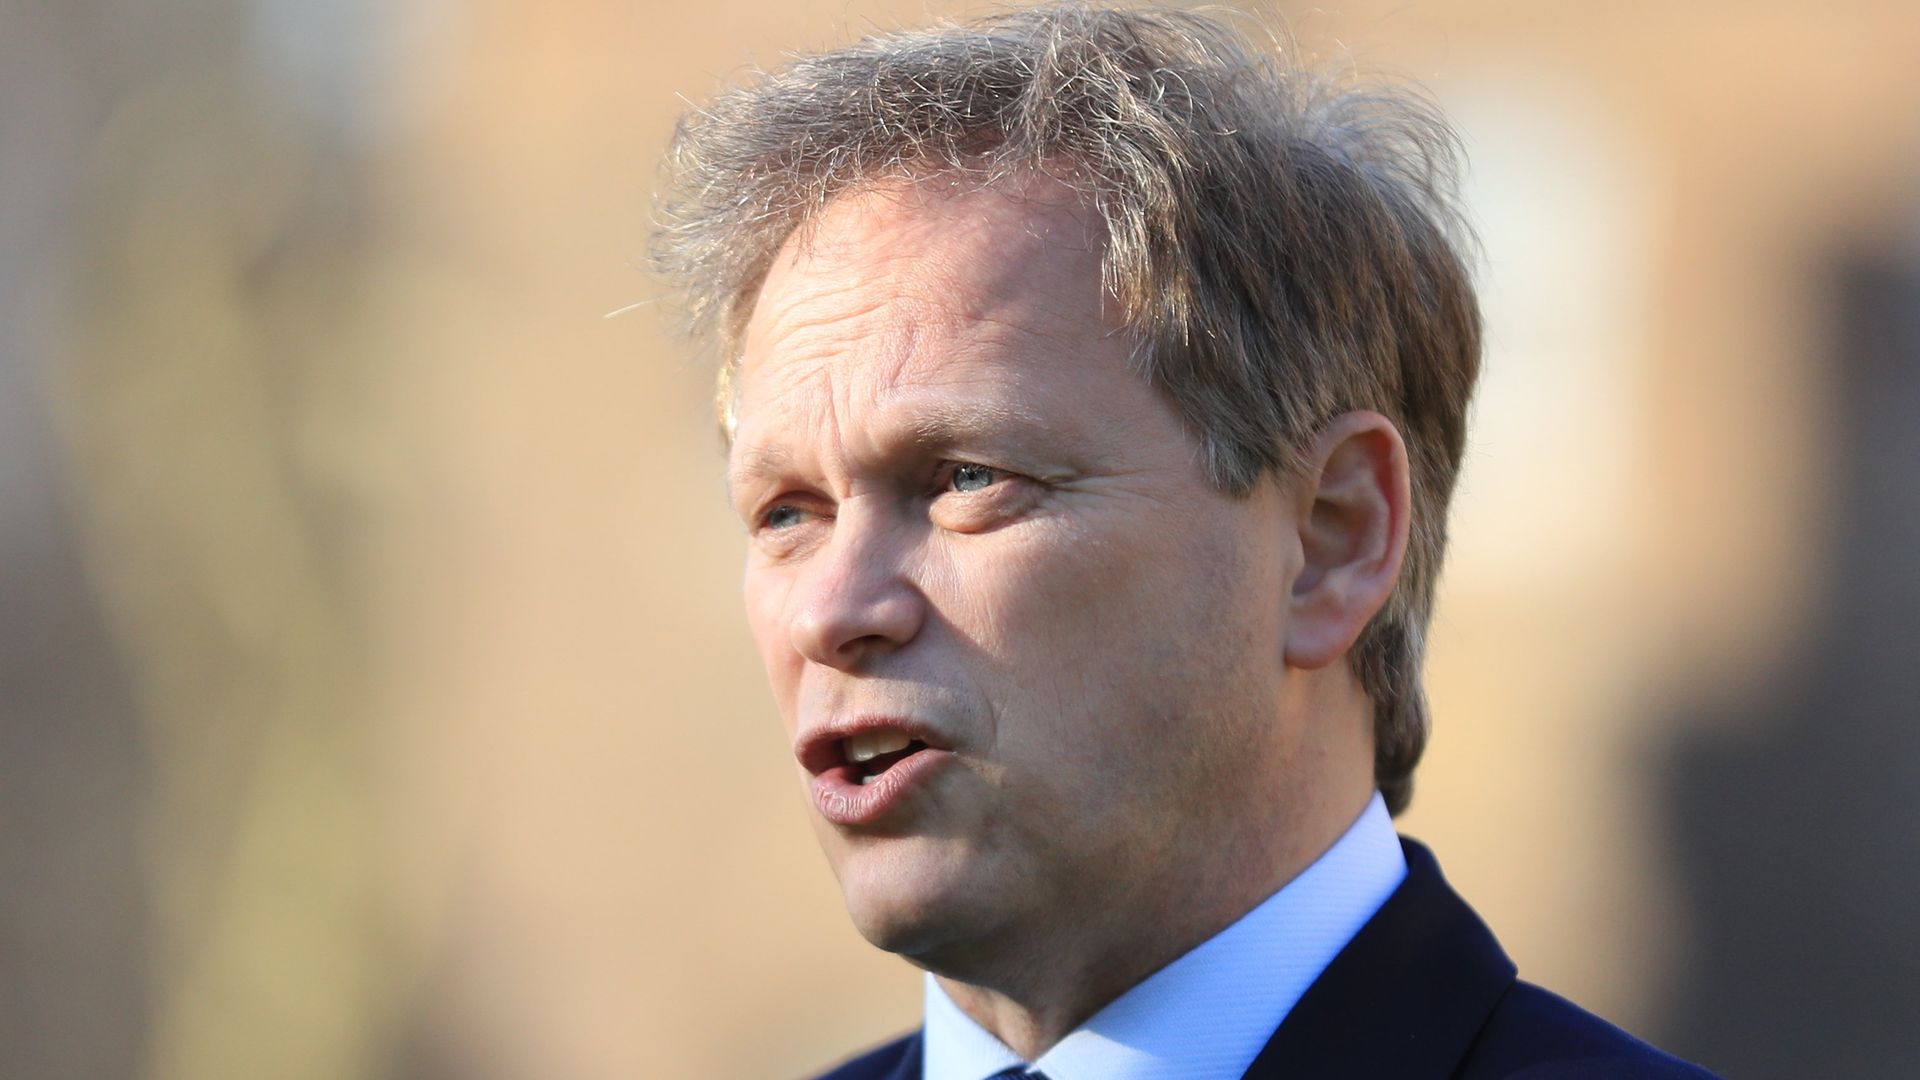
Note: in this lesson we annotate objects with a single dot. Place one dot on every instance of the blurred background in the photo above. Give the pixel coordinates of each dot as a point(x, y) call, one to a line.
point(374, 697)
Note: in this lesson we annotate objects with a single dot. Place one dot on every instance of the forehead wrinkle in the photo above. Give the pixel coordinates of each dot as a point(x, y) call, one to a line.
point(873, 336)
point(819, 302)
point(759, 451)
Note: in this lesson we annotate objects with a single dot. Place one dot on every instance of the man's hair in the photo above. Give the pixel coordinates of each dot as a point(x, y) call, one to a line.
point(1284, 245)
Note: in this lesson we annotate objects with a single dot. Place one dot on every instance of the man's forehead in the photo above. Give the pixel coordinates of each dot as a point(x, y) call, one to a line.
point(933, 393)
point(984, 335)
point(906, 290)
point(962, 250)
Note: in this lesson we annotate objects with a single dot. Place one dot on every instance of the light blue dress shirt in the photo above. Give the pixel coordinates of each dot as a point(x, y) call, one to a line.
point(1206, 1015)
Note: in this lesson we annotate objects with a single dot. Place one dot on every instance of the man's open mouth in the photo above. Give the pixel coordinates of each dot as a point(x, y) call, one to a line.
point(873, 753)
point(861, 779)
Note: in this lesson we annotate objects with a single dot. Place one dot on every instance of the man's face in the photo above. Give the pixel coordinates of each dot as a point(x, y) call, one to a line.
point(984, 549)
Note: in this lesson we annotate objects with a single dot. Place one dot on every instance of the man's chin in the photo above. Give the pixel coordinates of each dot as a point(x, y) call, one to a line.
point(915, 905)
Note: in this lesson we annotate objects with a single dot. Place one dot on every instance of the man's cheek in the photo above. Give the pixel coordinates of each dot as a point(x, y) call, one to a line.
point(1100, 588)
point(767, 594)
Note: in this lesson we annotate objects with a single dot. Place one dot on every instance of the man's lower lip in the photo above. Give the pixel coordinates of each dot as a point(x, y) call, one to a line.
point(843, 800)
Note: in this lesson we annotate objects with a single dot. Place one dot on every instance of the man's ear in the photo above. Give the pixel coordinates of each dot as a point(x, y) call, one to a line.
point(1353, 507)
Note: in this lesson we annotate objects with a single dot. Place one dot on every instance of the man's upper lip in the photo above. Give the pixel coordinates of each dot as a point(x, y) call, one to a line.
point(818, 748)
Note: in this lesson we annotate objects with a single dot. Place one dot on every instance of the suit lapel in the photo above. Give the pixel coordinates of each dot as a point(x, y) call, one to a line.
point(1404, 999)
point(908, 1066)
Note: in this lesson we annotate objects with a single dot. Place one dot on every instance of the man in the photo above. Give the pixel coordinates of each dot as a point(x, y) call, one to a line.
point(1094, 391)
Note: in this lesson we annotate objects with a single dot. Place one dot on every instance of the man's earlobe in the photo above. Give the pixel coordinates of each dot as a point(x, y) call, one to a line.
point(1354, 512)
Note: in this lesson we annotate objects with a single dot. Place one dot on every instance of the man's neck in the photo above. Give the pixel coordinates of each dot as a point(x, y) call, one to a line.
point(1115, 943)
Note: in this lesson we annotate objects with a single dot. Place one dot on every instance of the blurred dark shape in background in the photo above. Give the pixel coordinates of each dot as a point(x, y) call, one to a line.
point(74, 949)
point(1794, 817)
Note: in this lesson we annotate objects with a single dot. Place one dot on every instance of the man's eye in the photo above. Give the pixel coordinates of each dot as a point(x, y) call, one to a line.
point(972, 477)
point(783, 517)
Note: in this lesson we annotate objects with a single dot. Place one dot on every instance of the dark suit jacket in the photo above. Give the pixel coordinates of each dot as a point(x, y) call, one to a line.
point(1424, 992)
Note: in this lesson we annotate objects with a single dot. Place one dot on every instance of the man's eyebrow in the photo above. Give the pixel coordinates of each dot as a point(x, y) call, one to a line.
point(931, 427)
point(953, 424)
point(752, 462)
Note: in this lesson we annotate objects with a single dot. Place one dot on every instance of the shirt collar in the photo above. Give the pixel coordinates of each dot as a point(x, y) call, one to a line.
point(1206, 1015)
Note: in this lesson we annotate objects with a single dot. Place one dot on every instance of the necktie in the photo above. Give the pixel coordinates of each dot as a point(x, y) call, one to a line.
point(1018, 1072)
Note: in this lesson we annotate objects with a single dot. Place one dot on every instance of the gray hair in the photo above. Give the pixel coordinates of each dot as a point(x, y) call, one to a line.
point(1284, 245)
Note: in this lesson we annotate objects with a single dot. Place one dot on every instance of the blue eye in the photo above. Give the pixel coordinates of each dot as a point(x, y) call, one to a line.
point(971, 477)
point(783, 517)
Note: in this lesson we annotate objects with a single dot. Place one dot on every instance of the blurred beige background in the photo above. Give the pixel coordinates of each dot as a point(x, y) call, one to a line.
point(376, 701)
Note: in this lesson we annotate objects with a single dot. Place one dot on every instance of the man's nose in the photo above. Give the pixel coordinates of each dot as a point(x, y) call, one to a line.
point(857, 601)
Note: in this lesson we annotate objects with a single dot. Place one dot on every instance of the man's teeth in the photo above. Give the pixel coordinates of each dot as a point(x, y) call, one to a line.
point(870, 745)
point(865, 780)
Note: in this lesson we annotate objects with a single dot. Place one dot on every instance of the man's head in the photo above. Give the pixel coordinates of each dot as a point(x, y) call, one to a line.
point(1070, 356)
